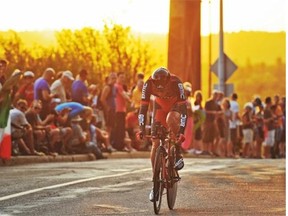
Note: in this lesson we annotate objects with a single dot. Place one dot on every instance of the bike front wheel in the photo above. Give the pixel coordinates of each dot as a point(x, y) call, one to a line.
point(158, 180)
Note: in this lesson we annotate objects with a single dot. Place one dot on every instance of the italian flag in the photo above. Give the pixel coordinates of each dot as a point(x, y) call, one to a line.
point(5, 105)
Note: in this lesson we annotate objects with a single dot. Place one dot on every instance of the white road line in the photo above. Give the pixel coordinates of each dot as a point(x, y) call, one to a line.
point(69, 183)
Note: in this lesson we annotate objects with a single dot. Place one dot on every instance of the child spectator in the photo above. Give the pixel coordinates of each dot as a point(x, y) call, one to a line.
point(247, 128)
point(227, 116)
point(83, 141)
point(102, 137)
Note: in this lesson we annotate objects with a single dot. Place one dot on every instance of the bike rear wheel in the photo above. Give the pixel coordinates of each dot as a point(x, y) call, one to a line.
point(158, 181)
point(173, 177)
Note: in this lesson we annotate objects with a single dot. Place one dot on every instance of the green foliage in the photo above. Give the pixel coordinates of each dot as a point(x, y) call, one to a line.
point(260, 56)
point(113, 49)
point(127, 53)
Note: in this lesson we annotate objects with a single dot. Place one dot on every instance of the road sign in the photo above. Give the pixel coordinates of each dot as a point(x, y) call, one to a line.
point(230, 67)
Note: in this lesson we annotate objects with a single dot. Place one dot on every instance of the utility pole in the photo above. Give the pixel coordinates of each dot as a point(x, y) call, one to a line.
point(224, 67)
point(221, 65)
point(184, 41)
point(209, 54)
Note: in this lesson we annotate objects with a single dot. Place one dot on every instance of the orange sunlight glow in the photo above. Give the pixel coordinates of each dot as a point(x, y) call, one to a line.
point(142, 15)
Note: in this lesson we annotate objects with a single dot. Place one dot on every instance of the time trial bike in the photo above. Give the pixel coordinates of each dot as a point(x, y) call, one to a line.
point(165, 176)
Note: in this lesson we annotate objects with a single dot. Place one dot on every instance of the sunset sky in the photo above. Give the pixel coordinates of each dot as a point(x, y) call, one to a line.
point(141, 15)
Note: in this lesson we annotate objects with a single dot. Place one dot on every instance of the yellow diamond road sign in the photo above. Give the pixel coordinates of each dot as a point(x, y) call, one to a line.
point(229, 67)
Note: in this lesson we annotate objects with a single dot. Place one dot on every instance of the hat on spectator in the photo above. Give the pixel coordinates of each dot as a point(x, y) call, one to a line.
point(248, 105)
point(77, 118)
point(68, 74)
point(29, 74)
point(15, 72)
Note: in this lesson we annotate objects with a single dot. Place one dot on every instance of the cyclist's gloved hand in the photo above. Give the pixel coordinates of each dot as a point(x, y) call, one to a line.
point(180, 138)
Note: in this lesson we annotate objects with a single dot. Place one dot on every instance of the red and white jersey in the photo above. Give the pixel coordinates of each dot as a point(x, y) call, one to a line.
point(173, 90)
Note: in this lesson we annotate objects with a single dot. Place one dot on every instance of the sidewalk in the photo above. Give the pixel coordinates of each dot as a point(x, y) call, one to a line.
point(21, 160)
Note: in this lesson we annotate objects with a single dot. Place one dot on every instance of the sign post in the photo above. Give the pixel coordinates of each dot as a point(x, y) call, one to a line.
point(223, 67)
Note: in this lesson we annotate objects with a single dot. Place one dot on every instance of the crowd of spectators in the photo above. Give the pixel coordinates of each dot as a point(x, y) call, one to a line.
point(60, 113)
point(223, 129)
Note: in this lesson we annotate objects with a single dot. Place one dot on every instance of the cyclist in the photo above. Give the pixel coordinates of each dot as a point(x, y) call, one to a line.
point(169, 96)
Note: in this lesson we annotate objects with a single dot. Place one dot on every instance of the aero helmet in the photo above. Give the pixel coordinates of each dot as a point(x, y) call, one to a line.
point(160, 77)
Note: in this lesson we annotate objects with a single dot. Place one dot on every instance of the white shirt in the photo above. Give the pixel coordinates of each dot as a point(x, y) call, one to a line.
point(58, 88)
point(234, 107)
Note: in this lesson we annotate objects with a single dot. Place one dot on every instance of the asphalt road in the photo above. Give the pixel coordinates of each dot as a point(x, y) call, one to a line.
point(121, 187)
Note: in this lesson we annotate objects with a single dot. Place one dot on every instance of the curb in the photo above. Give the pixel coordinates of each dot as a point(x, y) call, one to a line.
point(21, 160)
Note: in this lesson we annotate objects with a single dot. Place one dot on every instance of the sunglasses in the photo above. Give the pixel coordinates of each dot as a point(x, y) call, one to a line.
point(22, 107)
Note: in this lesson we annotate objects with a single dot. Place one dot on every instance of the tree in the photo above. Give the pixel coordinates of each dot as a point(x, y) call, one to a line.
point(99, 52)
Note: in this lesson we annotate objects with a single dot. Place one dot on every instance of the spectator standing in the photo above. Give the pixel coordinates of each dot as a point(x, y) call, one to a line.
point(210, 128)
point(283, 137)
point(131, 118)
point(278, 126)
point(247, 128)
point(188, 143)
point(227, 116)
point(234, 124)
point(139, 77)
point(26, 90)
point(198, 118)
point(121, 100)
point(79, 91)
point(269, 127)
point(42, 91)
point(108, 102)
point(136, 95)
point(60, 86)
point(220, 138)
point(259, 126)
point(95, 103)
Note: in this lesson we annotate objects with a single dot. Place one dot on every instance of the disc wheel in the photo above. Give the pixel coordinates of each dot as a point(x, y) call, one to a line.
point(172, 185)
point(158, 182)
